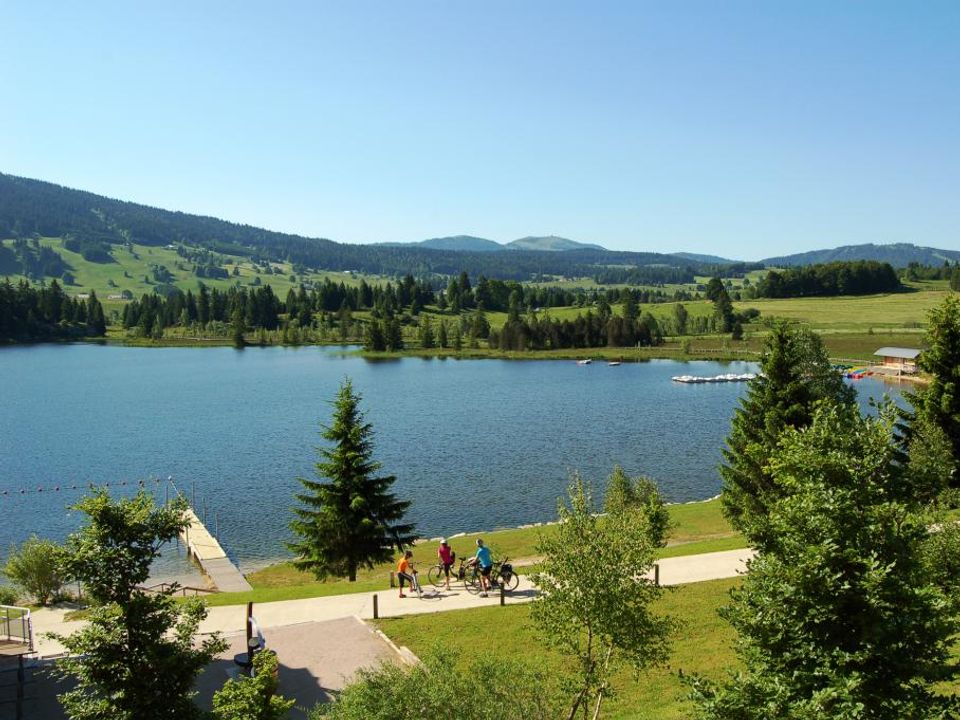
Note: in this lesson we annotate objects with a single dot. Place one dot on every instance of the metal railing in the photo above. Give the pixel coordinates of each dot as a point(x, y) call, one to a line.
point(182, 590)
point(16, 625)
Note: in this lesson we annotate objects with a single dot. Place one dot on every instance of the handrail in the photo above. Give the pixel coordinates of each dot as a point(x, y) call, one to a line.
point(182, 589)
point(25, 621)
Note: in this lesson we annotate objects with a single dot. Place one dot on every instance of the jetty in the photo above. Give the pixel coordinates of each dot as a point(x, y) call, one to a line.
point(729, 377)
point(213, 560)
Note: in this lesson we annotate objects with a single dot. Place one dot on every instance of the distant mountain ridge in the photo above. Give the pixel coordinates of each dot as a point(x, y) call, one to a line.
point(471, 243)
point(899, 255)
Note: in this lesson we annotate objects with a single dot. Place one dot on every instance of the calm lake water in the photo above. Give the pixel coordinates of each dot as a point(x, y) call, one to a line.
point(475, 444)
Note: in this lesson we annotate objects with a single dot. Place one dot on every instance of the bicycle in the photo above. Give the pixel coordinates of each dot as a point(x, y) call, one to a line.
point(437, 577)
point(502, 574)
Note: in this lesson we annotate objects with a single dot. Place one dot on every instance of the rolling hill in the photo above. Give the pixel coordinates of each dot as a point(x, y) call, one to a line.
point(899, 255)
point(96, 228)
point(550, 243)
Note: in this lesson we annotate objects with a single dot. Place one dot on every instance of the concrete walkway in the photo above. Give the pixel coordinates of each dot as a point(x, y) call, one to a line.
point(230, 619)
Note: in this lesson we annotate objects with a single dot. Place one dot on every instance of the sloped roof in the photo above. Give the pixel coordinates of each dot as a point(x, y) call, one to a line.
point(898, 352)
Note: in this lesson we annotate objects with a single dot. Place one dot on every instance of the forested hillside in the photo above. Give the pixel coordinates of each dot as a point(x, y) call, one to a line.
point(94, 225)
point(899, 255)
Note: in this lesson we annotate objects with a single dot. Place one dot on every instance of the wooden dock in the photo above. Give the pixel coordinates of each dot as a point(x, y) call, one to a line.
point(202, 546)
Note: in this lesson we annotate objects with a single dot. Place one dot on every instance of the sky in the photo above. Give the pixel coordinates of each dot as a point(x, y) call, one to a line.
point(741, 129)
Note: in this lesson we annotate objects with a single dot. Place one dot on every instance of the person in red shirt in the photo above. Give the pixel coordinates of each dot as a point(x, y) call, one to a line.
point(446, 556)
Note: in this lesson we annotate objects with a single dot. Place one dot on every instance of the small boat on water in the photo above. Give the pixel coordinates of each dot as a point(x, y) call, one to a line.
point(585, 361)
point(614, 363)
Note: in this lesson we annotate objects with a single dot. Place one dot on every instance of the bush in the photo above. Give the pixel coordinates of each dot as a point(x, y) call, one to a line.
point(496, 688)
point(34, 567)
point(8, 595)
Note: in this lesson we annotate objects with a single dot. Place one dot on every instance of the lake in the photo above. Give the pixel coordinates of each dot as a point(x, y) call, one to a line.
point(475, 444)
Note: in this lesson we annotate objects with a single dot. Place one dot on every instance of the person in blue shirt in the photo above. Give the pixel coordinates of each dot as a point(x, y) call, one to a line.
point(484, 562)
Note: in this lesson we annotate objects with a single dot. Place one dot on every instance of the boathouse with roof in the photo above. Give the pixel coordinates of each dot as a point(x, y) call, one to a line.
point(899, 358)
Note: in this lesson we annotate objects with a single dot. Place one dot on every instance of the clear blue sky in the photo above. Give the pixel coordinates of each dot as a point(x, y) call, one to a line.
point(744, 129)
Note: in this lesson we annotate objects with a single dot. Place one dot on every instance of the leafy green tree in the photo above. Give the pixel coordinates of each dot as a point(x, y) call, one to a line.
point(795, 376)
point(638, 494)
point(35, 568)
point(350, 520)
point(489, 688)
point(237, 328)
point(680, 317)
point(839, 616)
point(252, 698)
point(138, 657)
point(939, 402)
point(595, 595)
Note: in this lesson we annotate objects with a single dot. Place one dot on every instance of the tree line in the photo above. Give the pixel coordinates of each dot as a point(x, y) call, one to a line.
point(30, 313)
point(861, 277)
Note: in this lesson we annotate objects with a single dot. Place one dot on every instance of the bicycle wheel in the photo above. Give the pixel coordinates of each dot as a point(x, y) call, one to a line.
point(471, 581)
point(436, 576)
point(509, 580)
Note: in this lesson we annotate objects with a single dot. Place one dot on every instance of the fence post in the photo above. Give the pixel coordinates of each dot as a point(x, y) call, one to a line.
point(391, 579)
point(376, 608)
point(656, 574)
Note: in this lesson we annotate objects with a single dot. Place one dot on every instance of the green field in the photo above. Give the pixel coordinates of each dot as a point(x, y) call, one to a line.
point(129, 269)
point(702, 645)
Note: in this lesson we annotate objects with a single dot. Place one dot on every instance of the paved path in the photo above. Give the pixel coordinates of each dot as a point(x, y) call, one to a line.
point(230, 619)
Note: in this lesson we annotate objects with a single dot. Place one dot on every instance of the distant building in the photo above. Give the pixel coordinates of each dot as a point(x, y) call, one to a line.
point(898, 358)
point(82, 296)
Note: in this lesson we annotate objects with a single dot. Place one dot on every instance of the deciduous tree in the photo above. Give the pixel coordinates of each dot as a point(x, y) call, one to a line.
point(595, 594)
point(138, 657)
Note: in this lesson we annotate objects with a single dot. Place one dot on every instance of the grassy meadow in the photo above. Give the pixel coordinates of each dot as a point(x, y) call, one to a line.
point(703, 645)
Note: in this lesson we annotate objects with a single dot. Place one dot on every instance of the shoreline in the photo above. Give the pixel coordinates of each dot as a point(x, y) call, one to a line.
point(258, 566)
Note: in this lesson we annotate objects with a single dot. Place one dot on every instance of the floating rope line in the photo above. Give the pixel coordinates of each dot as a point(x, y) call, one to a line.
point(77, 486)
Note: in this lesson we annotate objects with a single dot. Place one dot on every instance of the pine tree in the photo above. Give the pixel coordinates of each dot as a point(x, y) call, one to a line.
point(442, 338)
point(795, 375)
point(939, 402)
point(427, 339)
point(349, 520)
point(96, 323)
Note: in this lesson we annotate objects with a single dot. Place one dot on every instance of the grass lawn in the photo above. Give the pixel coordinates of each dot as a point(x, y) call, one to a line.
point(702, 645)
point(698, 528)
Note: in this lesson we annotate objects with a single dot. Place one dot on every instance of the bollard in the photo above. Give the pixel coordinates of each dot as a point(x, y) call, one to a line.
point(656, 574)
point(502, 596)
point(391, 580)
point(376, 608)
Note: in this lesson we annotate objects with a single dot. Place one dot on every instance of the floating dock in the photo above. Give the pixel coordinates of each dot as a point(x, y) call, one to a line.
point(202, 546)
point(729, 377)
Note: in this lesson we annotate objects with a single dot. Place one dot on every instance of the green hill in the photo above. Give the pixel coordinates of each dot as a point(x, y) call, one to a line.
point(550, 243)
point(898, 254)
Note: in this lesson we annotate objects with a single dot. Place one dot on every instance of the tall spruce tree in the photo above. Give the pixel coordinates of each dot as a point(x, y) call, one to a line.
point(348, 519)
point(795, 375)
point(841, 616)
point(938, 404)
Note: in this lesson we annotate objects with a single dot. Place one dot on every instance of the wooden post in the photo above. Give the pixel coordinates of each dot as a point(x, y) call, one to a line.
point(656, 574)
point(376, 608)
point(391, 580)
point(21, 680)
point(248, 624)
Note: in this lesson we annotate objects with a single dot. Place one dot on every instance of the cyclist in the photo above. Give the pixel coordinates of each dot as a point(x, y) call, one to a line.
point(484, 562)
point(406, 572)
point(446, 556)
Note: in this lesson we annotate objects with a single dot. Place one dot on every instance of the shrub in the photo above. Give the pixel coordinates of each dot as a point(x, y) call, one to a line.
point(34, 567)
point(8, 595)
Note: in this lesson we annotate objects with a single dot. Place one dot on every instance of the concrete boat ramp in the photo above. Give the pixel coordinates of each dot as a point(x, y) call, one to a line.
point(213, 560)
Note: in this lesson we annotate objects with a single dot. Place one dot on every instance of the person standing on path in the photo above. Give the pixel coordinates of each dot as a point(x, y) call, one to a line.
point(446, 556)
point(484, 562)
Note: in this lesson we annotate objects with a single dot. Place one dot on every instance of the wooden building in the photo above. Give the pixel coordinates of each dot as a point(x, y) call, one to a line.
point(898, 358)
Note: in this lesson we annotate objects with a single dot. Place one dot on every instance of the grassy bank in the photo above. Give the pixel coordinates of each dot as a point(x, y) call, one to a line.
point(702, 645)
point(698, 528)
